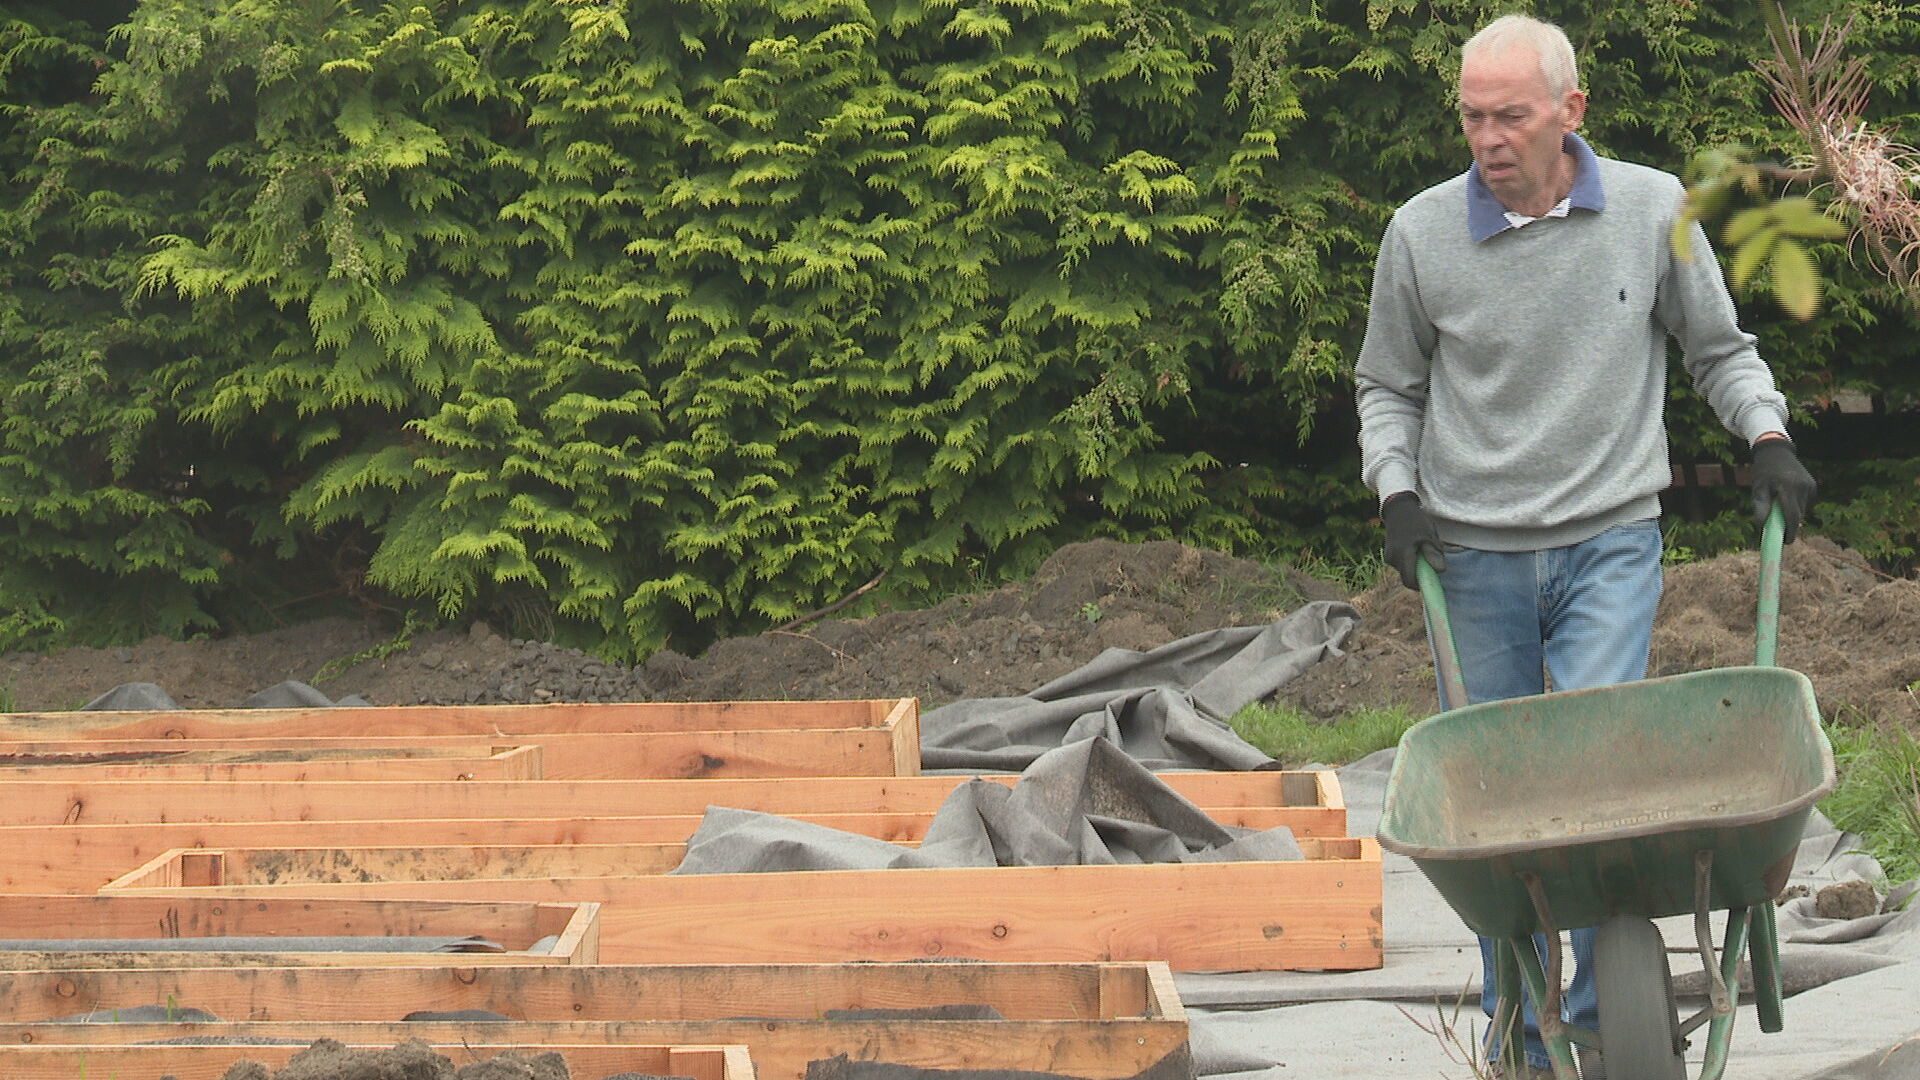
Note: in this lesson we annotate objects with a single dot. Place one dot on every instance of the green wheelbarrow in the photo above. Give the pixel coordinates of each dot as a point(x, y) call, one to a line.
point(1609, 808)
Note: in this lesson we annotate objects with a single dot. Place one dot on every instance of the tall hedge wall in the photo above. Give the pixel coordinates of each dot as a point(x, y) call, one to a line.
point(636, 322)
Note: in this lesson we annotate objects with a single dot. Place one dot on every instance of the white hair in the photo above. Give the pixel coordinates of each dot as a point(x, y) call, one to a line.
point(1545, 40)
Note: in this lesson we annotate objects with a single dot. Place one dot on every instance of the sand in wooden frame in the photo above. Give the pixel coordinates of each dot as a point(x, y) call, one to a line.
point(212, 1062)
point(1102, 1021)
point(507, 932)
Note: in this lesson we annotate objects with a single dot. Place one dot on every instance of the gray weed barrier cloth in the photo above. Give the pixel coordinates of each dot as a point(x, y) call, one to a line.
point(149, 697)
point(132, 697)
point(1084, 803)
point(1167, 707)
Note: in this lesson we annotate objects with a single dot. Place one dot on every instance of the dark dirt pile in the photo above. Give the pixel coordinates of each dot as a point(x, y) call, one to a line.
point(1852, 631)
point(1086, 598)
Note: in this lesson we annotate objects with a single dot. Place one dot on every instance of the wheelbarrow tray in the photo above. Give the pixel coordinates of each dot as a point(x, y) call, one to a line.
point(1607, 794)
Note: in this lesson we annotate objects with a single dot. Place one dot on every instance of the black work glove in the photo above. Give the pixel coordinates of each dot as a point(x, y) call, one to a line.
point(1409, 535)
point(1779, 477)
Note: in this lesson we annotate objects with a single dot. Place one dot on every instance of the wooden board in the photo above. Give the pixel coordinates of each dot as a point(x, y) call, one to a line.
point(1316, 795)
point(212, 1062)
point(1103, 1021)
point(514, 926)
point(82, 858)
point(1322, 912)
point(503, 763)
point(492, 720)
point(15, 755)
point(848, 751)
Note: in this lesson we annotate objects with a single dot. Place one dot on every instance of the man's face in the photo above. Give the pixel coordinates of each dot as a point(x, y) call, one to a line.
point(1514, 127)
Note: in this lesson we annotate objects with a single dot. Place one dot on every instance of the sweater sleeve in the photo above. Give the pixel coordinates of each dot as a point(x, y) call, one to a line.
point(1391, 374)
point(1720, 357)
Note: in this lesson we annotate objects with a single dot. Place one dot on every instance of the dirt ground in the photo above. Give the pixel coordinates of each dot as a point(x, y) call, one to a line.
point(1850, 629)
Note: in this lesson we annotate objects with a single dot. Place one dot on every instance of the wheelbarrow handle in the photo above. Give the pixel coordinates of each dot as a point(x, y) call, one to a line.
point(1766, 635)
point(1446, 658)
point(1766, 620)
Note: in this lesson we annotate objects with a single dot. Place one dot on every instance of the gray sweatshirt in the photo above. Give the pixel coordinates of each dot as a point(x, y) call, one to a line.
point(1517, 382)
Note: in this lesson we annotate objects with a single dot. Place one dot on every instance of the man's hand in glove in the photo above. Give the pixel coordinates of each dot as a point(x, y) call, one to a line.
point(1409, 535)
point(1779, 477)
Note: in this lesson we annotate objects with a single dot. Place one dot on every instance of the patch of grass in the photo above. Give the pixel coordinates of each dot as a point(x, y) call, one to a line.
point(1878, 796)
point(1353, 573)
point(1294, 737)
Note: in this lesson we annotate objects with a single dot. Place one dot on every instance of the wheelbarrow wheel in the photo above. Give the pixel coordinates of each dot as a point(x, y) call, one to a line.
point(1639, 1023)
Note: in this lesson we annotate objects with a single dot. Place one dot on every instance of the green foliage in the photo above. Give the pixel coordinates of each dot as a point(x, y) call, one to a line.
point(1878, 796)
point(1291, 736)
point(1728, 530)
point(649, 322)
point(1768, 236)
point(1881, 520)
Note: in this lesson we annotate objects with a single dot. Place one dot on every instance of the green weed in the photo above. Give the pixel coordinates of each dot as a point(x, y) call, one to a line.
point(401, 641)
point(1878, 796)
point(1292, 736)
point(1354, 573)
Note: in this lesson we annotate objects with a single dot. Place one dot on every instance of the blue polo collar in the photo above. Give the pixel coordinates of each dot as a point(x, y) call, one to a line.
point(1486, 217)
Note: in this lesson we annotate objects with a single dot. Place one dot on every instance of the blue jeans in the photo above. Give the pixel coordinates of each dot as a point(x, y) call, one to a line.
point(1563, 618)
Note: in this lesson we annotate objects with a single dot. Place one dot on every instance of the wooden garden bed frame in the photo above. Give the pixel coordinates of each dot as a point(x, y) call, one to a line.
point(80, 859)
point(1101, 1021)
point(212, 1062)
point(486, 720)
point(571, 755)
point(514, 926)
point(580, 741)
point(1322, 912)
point(49, 858)
point(460, 762)
point(1315, 795)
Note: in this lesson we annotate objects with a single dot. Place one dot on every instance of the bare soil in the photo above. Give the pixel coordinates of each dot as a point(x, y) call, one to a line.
point(1851, 630)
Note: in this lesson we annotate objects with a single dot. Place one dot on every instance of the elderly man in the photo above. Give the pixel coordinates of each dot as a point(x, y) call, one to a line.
point(1511, 391)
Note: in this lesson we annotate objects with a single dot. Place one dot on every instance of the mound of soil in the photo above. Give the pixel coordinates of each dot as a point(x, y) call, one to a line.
point(1086, 598)
point(1849, 629)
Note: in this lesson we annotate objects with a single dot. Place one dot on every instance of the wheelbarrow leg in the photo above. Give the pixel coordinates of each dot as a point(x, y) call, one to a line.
point(1763, 954)
point(1726, 975)
point(1508, 1028)
point(1546, 1006)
